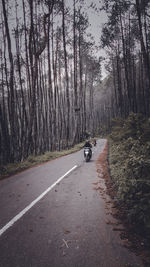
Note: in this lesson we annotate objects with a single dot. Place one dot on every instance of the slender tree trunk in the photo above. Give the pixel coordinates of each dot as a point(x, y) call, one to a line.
point(11, 85)
point(66, 73)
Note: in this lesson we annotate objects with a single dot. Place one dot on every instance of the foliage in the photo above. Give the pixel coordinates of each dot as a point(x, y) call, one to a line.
point(31, 161)
point(130, 167)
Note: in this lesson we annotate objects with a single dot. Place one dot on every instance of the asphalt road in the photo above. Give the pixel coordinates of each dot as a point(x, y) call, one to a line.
point(67, 226)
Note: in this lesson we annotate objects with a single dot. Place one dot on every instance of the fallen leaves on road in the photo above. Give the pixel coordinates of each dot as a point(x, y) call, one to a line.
point(67, 231)
point(96, 183)
point(97, 188)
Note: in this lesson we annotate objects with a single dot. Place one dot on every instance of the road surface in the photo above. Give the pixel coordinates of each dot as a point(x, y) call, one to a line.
point(51, 216)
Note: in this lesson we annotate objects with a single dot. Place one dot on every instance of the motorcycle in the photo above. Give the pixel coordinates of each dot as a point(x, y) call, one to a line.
point(87, 153)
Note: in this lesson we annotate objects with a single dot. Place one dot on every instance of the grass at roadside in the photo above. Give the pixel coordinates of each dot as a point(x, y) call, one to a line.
point(31, 161)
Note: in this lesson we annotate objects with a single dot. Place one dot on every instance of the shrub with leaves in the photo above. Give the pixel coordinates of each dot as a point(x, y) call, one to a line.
point(130, 167)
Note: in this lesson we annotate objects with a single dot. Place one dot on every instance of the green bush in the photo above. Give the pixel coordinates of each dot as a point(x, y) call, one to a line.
point(130, 166)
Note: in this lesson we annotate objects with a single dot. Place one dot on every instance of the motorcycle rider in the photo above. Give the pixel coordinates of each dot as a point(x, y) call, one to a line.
point(94, 142)
point(88, 144)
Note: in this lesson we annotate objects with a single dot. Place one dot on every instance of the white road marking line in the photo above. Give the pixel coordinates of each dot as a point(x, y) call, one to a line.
point(17, 217)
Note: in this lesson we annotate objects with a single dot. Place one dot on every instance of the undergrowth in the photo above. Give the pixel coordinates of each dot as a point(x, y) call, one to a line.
point(130, 168)
point(32, 161)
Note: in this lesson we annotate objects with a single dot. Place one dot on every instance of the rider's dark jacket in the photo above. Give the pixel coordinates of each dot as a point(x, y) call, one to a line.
point(87, 144)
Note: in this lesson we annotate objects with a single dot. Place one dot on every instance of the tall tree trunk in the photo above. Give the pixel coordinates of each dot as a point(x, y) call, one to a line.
point(66, 73)
point(11, 85)
point(76, 108)
point(145, 56)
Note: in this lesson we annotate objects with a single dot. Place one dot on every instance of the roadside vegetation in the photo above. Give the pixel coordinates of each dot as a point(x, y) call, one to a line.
point(32, 161)
point(129, 161)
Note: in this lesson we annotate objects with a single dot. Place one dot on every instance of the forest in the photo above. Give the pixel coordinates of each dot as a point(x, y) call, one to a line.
point(126, 38)
point(48, 72)
point(51, 90)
